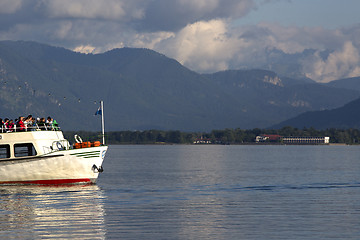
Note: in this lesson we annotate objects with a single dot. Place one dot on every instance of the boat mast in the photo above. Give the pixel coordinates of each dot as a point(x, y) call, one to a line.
point(102, 121)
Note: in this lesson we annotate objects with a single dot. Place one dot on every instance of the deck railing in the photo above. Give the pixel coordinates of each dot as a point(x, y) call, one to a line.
point(36, 127)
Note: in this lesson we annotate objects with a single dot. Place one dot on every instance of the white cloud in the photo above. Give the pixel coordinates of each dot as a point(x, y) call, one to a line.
point(342, 63)
point(209, 46)
point(202, 45)
point(84, 49)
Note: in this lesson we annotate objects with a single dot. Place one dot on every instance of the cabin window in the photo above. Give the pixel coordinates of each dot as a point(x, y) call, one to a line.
point(24, 150)
point(4, 151)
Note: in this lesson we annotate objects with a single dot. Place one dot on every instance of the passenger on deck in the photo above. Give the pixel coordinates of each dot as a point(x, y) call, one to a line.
point(42, 124)
point(55, 124)
point(20, 126)
point(28, 121)
point(2, 125)
point(9, 124)
point(51, 123)
point(5, 122)
point(33, 124)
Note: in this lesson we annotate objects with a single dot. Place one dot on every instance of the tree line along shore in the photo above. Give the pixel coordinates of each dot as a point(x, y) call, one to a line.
point(226, 136)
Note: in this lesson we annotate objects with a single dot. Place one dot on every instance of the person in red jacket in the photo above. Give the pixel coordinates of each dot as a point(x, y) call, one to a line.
point(20, 124)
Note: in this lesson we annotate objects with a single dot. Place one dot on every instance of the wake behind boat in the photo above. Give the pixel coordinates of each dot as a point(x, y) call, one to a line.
point(44, 156)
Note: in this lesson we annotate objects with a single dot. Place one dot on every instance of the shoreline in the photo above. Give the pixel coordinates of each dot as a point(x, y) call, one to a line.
point(237, 144)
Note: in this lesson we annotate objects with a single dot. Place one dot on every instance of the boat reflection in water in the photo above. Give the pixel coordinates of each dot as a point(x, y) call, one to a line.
point(66, 211)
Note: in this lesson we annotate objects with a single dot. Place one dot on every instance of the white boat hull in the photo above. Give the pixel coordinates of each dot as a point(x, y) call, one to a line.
point(59, 167)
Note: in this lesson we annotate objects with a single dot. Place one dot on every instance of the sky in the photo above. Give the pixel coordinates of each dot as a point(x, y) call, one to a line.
point(204, 35)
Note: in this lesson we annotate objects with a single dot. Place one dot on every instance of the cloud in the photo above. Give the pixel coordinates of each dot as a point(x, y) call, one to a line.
point(210, 9)
point(173, 15)
point(84, 49)
point(202, 45)
point(200, 34)
point(91, 9)
point(342, 63)
point(10, 6)
point(209, 46)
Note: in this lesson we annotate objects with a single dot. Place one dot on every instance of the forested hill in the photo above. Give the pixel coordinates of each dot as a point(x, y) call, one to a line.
point(143, 89)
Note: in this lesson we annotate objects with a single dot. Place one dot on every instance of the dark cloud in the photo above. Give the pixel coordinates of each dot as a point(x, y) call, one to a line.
point(165, 15)
point(117, 15)
point(25, 12)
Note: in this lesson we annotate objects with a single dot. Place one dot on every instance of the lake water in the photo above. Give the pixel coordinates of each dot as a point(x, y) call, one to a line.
point(198, 192)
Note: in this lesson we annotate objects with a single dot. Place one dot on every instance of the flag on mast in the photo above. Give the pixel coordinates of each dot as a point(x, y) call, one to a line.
point(99, 111)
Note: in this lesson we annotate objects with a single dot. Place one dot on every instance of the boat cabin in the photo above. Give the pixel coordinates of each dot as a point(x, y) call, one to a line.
point(31, 143)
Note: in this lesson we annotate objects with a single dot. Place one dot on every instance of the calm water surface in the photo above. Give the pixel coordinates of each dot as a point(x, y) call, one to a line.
point(198, 192)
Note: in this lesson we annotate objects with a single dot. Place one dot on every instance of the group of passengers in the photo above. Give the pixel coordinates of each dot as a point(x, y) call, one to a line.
point(29, 123)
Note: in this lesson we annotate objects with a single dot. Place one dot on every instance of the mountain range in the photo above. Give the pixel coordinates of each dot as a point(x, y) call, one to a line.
point(143, 89)
point(343, 118)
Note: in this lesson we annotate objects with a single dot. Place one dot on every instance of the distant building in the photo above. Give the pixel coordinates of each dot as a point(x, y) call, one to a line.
point(292, 140)
point(268, 138)
point(306, 140)
point(202, 140)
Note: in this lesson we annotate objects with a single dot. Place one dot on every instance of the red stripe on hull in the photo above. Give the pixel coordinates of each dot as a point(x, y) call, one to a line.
point(52, 181)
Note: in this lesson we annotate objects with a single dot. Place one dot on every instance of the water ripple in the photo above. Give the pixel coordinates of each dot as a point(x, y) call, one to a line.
point(30, 212)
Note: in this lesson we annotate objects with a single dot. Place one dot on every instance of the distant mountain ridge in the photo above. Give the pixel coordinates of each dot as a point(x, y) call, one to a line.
point(344, 117)
point(143, 89)
point(347, 83)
